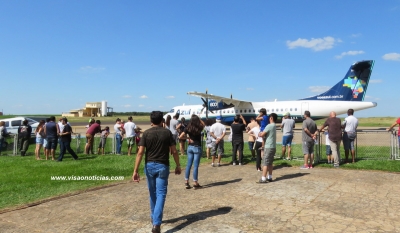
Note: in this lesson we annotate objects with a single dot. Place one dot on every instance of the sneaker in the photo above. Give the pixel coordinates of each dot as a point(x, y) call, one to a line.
point(197, 186)
point(212, 165)
point(258, 170)
point(240, 164)
point(288, 159)
point(187, 186)
point(262, 181)
point(310, 166)
point(269, 180)
point(218, 164)
point(304, 167)
point(336, 166)
point(233, 163)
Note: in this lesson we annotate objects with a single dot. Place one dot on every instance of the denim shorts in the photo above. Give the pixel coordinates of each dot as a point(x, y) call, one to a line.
point(287, 140)
point(328, 150)
point(251, 145)
point(39, 140)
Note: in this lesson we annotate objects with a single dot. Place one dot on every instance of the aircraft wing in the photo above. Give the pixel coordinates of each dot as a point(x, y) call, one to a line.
point(228, 101)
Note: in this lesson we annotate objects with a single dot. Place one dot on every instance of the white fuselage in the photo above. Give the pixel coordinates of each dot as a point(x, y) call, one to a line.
point(317, 108)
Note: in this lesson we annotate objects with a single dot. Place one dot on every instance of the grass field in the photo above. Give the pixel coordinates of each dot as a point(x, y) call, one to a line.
point(26, 180)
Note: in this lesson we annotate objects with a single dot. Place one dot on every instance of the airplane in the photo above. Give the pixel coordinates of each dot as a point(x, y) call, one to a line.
point(349, 92)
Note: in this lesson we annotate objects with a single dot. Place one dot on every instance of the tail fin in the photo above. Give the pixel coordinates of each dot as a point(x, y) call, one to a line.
point(353, 87)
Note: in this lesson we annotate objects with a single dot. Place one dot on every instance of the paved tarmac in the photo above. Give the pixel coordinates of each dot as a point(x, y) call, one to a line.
point(314, 200)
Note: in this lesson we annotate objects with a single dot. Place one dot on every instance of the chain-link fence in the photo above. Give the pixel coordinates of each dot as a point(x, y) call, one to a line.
point(11, 145)
point(369, 144)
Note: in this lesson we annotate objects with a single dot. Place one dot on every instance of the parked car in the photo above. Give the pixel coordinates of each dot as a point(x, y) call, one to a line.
point(12, 124)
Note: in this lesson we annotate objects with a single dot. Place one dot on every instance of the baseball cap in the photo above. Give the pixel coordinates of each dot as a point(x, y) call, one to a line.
point(286, 114)
point(218, 118)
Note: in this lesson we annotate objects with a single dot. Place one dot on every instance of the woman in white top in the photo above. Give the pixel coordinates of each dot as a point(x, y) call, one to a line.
point(257, 144)
point(39, 132)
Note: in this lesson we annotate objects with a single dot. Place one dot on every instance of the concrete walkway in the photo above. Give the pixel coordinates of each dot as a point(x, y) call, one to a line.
point(315, 200)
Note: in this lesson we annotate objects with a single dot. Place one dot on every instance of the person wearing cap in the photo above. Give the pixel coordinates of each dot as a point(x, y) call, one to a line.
point(93, 129)
point(217, 132)
point(287, 127)
point(349, 125)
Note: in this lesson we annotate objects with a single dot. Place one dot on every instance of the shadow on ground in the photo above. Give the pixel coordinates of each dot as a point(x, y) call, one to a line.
point(222, 183)
point(291, 176)
point(191, 218)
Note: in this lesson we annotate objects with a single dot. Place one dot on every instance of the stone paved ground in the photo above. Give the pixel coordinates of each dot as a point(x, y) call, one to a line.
point(315, 200)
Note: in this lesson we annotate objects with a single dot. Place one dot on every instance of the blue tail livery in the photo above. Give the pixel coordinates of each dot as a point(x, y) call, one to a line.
point(353, 87)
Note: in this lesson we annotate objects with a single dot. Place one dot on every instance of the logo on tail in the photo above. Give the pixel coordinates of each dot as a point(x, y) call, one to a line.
point(353, 87)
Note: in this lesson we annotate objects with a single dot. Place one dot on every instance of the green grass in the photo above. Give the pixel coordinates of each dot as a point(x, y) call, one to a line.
point(26, 180)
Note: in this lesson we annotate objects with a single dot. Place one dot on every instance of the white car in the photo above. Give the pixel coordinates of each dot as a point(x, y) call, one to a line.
point(12, 124)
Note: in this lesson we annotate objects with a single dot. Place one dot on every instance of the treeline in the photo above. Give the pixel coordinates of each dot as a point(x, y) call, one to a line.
point(133, 113)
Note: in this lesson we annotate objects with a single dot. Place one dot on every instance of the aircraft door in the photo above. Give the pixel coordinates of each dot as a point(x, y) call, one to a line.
point(304, 107)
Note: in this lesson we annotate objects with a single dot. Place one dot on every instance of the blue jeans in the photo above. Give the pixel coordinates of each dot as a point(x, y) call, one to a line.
point(66, 146)
point(118, 138)
point(157, 181)
point(193, 155)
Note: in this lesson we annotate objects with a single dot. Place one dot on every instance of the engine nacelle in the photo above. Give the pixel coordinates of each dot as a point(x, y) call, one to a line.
point(214, 105)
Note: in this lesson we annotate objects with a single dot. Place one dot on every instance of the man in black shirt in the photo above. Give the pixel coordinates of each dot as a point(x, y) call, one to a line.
point(24, 134)
point(237, 138)
point(157, 142)
point(65, 141)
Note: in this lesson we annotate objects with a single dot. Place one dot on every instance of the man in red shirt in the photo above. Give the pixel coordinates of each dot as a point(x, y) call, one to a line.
point(93, 129)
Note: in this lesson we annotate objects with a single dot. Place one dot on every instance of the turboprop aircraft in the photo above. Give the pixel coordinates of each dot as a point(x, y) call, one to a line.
point(349, 92)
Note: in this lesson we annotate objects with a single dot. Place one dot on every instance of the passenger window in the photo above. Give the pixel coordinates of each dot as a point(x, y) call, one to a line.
point(295, 109)
point(223, 111)
point(7, 124)
point(245, 110)
point(16, 123)
point(281, 109)
point(240, 110)
point(236, 111)
point(290, 109)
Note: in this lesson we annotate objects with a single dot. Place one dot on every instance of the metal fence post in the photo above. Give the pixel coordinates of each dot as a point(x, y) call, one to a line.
point(15, 147)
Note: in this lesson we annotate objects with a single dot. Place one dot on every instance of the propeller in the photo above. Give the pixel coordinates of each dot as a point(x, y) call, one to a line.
point(205, 104)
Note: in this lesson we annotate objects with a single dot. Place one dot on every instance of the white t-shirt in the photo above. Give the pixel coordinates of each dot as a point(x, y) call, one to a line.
point(130, 129)
point(117, 128)
point(351, 124)
point(217, 129)
point(256, 131)
point(327, 138)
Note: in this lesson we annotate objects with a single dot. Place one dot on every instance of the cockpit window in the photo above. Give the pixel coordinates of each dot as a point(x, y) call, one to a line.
point(172, 111)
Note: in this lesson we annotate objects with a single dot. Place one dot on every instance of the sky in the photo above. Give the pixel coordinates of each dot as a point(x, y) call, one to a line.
point(146, 55)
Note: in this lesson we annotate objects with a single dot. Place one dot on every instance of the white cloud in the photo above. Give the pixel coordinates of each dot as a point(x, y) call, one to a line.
point(170, 97)
point(316, 44)
point(391, 56)
point(249, 89)
point(161, 106)
point(371, 97)
point(141, 105)
point(355, 35)
point(349, 53)
point(126, 96)
point(375, 81)
point(144, 97)
point(127, 106)
point(319, 89)
point(90, 69)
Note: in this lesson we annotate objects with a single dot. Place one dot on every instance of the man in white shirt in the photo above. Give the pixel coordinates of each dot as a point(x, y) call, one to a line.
point(217, 133)
point(172, 126)
point(130, 134)
point(349, 125)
